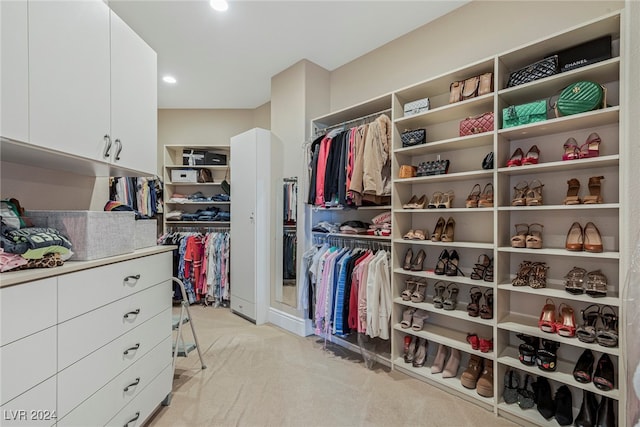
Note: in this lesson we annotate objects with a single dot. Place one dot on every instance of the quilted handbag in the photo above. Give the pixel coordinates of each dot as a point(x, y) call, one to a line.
point(413, 137)
point(433, 167)
point(517, 115)
point(536, 71)
point(580, 97)
point(477, 124)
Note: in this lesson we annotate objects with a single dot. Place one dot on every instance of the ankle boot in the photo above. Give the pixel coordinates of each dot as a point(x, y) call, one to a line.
point(469, 378)
point(564, 409)
point(544, 399)
point(485, 382)
point(421, 353)
point(588, 411)
point(606, 416)
point(438, 362)
point(451, 369)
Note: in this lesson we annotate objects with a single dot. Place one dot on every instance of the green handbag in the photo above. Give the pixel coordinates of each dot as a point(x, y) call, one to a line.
point(580, 97)
point(517, 115)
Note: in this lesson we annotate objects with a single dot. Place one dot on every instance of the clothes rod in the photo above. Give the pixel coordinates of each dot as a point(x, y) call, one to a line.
point(363, 118)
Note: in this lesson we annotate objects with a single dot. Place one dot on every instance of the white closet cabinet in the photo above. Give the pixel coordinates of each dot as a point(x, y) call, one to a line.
point(14, 120)
point(255, 173)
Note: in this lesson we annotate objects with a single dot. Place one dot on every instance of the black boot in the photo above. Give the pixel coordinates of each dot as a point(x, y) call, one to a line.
point(606, 415)
point(588, 411)
point(564, 410)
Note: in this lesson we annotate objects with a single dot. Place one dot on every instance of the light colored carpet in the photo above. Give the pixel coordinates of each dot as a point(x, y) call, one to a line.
point(265, 376)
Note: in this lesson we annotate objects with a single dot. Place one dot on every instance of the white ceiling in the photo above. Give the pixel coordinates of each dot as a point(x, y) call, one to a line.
point(226, 60)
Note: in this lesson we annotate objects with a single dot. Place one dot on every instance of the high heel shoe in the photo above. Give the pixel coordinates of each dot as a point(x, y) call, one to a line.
point(441, 264)
point(419, 204)
point(438, 297)
point(519, 240)
point(591, 148)
point(516, 158)
point(603, 377)
point(408, 256)
point(520, 194)
point(438, 230)
point(435, 200)
point(453, 363)
point(522, 276)
point(572, 192)
point(410, 287)
point(587, 331)
point(566, 327)
point(592, 239)
point(411, 202)
point(410, 350)
point(451, 300)
point(421, 353)
point(473, 308)
point(480, 267)
point(419, 294)
point(584, 367)
point(449, 228)
point(473, 197)
point(547, 321)
point(486, 312)
point(606, 416)
point(534, 237)
point(452, 264)
point(588, 410)
point(607, 336)
point(538, 276)
point(486, 198)
point(594, 191)
point(532, 156)
point(416, 264)
point(575, 240)
point(534, 194)
point(446, 199)
point(438, 362)
point(571, 150)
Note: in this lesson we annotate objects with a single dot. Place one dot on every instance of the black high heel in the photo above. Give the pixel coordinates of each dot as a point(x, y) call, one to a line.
point(584, 367)
point(473, 308)
point(417, 263)
point(603, 377)
point(452, 264)
point(606, 416)
point(588, 410)
point(443, 261)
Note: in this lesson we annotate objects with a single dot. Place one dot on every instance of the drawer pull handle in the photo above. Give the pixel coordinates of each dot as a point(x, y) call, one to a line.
point(135, 417)
point(133, 384)
point(132, 313)
point(135, 347)
point(132, 278)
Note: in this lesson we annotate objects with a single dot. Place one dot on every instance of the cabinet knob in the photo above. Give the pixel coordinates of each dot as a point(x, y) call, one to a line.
point(132, 313)
point(133, 384)
point(107, 146)
point(118, 148)
point(135, 347)
point(132, 278)
point(135, 417)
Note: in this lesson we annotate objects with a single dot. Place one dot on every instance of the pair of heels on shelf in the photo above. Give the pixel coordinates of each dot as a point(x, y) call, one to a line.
point(444, 230)
point(591, 148)
point(602, 378)
point(483, 269)
point(474, 309)
point(594, 283)
point(415, 290)
point(416, 202)
point(590, 332)
point(414, 318)
point(452, 358)
point(480, 198)
point(440, 200)
point(414, 263)
point(527, 193)
point(530, 353)
point(532, 274)
point(446, 297)
point(485, 345)
point(573, 191)
point(478, 375)
point(448, 264)
point(527, 236)
point(416, 234)
point(519, 158)
point(586, 239)
point(415, 350)
point(564, 323)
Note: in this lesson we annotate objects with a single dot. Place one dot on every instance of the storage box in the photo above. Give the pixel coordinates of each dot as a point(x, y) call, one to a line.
point(193, 157)
point(584, 54)
point(145, 233)
point(215, 159)
point(94, 234)
point(184, 175)
point(415, 107)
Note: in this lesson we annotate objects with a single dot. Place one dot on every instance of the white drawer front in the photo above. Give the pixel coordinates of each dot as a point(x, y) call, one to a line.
point(18, 304)
point(36, 407)
point(82, 379)
point(26, 363)
point(102, 285)
point(109, 400)
point(138, 410)
point(244, 307)
point(84, 334)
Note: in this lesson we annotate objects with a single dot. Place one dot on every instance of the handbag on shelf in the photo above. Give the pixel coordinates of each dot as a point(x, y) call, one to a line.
point(416, 107)
point(477, 124)
point(407, 171)
point(455, 92)
point(471, 87)
point(486, 84)
point(536, 71)
point(487, 162)
point(410, 138)
point(204, 175)
point(580, 97)
point(225, 186)
point(518, 115)
point(434, 167)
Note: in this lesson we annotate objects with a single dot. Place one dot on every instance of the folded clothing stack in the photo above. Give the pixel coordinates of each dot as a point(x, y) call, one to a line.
point(353, 227)
point(326, 227)
point(380, 225)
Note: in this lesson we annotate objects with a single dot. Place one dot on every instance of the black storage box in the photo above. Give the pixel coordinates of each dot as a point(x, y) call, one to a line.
point(193, 157)
point(215, 159)
point(584, 54)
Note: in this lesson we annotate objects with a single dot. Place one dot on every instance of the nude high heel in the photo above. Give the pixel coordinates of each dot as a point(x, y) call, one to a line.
point(534, 194)
point(519, 240)
point(446, 199)
point(572, 192)
point(592, 238)
point(438, 362)
point(486, 198)
point(520, 194)
point(473, 197)
point(449, 229)
point(594, 191)
point(453, 363)
point(438, 230)
point(410, 203)
point(534, 238)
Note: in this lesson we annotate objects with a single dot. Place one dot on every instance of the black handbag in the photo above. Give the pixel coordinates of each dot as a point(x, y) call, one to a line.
point(410, 138)
point(487, 162)
point(434, 167)
point(536, 71)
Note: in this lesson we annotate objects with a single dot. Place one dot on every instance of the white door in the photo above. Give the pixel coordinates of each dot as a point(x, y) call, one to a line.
point(14, 59)
point(134, 106)
point(243, 217)
point(69, 76)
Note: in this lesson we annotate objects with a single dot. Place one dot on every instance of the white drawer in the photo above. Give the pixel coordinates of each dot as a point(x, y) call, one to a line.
point(102, 285)
point(84, 377)
point(36, 407)
point(84, 334)
point(138, 410)
point(26, 363)
point(109, 400)
point(244, 307)
point(19, 302)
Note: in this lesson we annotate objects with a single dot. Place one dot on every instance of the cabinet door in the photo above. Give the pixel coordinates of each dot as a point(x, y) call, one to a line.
point(14, 121)
point(134, 106)
point(243, 216)
point(69, 76)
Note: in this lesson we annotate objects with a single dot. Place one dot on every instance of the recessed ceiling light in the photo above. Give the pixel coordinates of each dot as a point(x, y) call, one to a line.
point(169, 79)
point(219, 5)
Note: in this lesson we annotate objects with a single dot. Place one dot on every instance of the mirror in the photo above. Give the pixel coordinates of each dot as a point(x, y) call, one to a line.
point(289, 294)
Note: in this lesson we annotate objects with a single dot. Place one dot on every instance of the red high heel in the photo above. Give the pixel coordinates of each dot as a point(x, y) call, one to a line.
point(516, 158)
point(571, 150)
point(566, 326)
point(547, 322)
point(532, 156)
point(591, 148)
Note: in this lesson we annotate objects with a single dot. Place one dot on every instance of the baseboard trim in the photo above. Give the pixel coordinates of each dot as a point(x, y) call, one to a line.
point(293, 324)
